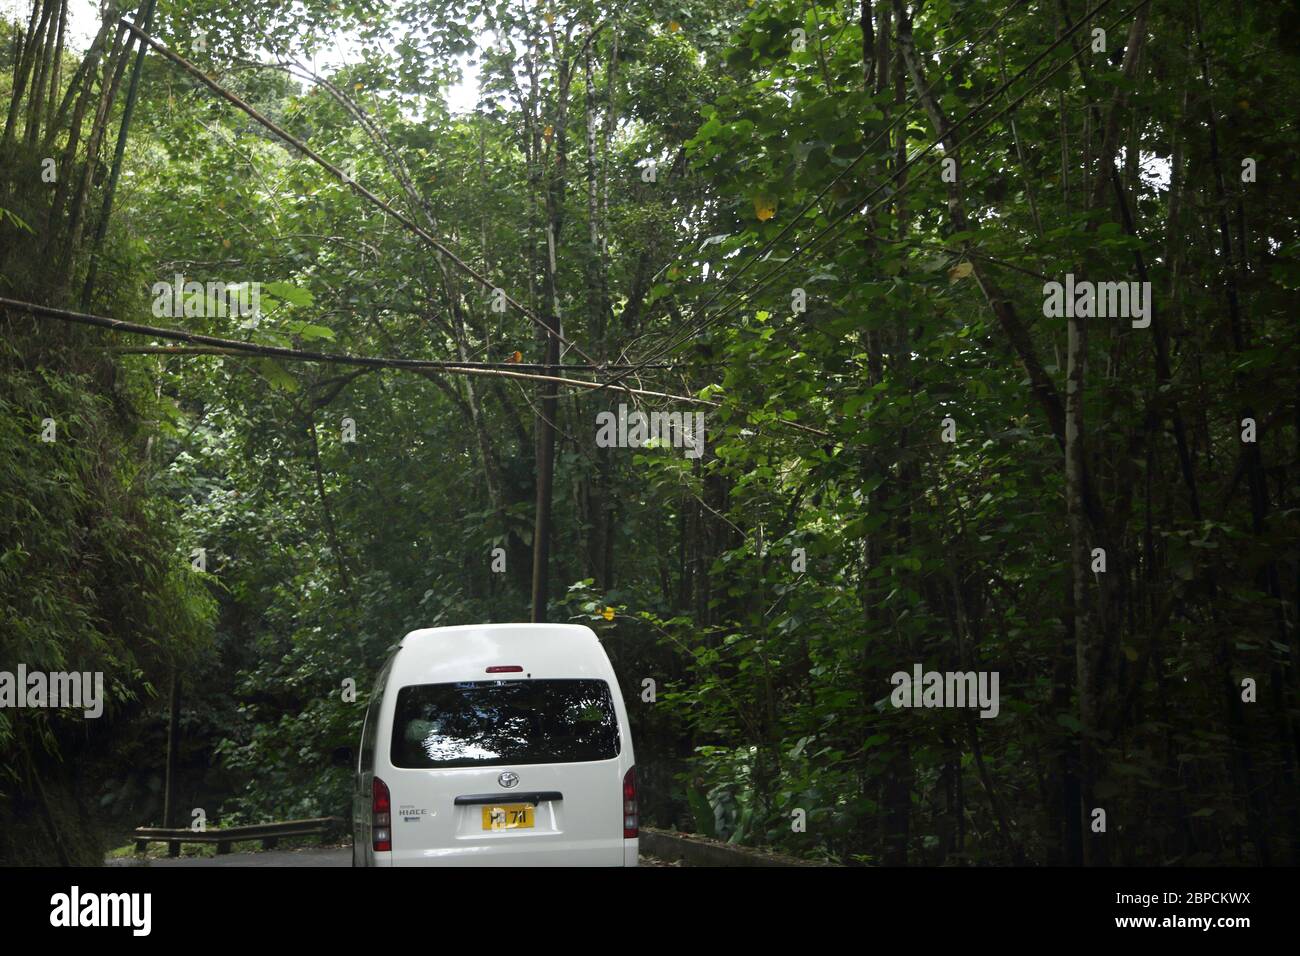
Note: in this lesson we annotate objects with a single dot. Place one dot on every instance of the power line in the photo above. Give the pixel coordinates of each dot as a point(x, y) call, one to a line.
point(348, 181)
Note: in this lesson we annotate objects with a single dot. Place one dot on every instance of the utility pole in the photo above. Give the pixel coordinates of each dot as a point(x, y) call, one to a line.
point(546, 441)
point(173, 748)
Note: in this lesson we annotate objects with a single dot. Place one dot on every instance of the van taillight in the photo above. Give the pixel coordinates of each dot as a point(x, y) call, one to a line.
point(629, 805)
point(381, 815)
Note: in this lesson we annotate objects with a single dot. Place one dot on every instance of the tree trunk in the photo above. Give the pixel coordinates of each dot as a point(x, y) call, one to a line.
point(101, 228)
point(173, 751)
point(24, 66)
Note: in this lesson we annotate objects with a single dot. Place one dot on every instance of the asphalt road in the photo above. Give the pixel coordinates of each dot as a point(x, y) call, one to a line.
point(308, 856)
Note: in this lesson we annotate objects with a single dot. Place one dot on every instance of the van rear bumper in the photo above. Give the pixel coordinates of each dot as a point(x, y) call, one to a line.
point(498, 853)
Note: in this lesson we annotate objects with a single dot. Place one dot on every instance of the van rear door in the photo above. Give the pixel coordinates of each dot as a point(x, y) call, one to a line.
point(506, 772)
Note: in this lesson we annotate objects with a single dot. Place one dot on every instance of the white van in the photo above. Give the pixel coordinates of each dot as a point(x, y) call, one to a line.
point(496, 745)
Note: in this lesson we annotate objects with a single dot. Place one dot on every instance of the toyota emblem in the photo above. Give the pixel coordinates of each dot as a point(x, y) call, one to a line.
point(508, 779)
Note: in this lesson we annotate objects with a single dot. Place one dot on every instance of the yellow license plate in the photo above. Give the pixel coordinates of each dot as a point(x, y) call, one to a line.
point(508, 816)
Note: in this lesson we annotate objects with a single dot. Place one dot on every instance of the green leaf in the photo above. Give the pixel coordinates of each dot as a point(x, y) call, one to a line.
point(308, 332)
point(702, 812)
point(294, 295)
point(275, 373)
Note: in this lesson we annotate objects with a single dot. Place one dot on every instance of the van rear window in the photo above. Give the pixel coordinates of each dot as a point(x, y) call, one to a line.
point(486, 723)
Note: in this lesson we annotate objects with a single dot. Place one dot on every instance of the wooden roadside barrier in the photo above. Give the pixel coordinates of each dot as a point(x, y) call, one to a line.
point(269, 834)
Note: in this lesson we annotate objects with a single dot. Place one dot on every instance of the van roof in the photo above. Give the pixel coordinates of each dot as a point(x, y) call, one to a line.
point(435, 655)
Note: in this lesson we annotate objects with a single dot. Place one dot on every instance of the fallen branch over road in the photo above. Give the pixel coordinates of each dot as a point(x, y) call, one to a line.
point(236, 347)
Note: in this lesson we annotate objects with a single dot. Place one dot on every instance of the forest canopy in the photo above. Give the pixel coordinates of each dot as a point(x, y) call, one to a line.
point(794, 346)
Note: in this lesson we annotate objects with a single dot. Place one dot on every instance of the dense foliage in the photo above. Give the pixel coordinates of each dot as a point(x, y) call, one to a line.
point(750, 208)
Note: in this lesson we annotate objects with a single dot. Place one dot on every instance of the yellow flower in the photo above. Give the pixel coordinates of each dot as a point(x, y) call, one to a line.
point(608, 614)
